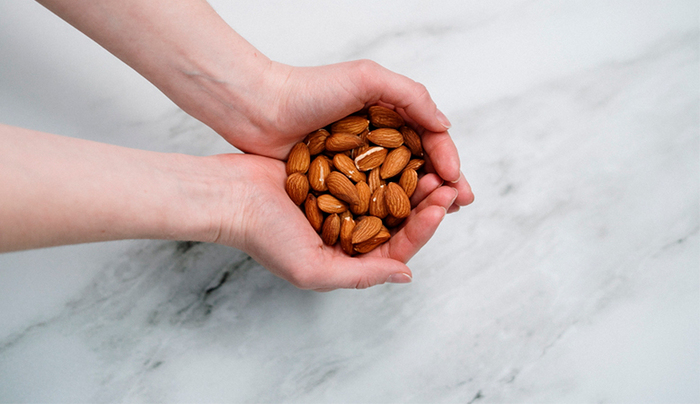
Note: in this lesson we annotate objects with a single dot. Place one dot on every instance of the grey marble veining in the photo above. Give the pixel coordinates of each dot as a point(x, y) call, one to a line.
point(574, 277)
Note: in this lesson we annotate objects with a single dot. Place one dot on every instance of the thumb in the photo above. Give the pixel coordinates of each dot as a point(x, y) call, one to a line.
point(381, 84)
point(364, 272)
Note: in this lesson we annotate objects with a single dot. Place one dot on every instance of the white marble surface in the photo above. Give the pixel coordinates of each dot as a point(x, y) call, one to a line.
point(574, 277)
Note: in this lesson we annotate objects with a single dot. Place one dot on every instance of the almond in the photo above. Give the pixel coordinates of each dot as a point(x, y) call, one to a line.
point(351, 125)
point(412, 140)
point(383, 117)
point(395, 162)
point(330, 204)
point(377, 205)
point(414, 164)
point(409, 181)
point(347, 225)
point(299, 159)
point(342, 188)
point(317, 141)
point(342, 141)
point(397, 201)
point(372, 158)
point(364, 195)
point(366, 229)
point(374, 180)
point(393, 221)
point(297, 187)
point(318, 171)
point(331, 229)
point(386, 137)
point(374, 242)
point(345, 165)
point(313, 213)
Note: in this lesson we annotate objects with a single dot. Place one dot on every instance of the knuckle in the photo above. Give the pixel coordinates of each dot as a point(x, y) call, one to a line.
point(420, 91)
point(363, 282)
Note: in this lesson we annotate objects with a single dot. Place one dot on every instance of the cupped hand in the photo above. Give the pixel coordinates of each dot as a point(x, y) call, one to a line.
point(293, 101)
point(266, 224)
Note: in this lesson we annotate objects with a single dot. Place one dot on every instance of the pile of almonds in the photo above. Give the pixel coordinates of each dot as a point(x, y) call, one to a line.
point(358, 185)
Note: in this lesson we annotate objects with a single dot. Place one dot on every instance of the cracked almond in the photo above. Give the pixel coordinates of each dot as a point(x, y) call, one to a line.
point(371, 158)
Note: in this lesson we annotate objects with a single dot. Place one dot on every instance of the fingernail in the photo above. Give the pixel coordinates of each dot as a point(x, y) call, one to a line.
point(455, 198)
point(399, 278)
point(442, 119)
point(458, 178)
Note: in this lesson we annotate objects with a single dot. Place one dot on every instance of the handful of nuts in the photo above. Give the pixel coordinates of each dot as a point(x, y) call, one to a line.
point(358, 185)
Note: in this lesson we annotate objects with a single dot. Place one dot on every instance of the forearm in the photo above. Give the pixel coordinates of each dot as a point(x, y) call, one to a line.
point(183, 47)
point(57, 190)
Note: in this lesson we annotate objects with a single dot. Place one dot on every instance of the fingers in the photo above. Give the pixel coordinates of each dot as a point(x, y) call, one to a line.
point(465, 195)
point(443, 154)
point(419, 228)
point(380, 84)
point(430, 182)
point(426, 185)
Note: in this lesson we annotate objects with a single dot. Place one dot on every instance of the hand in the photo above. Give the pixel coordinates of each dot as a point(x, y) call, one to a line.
point(259, 106)
point(294, 101)
point(268, 226)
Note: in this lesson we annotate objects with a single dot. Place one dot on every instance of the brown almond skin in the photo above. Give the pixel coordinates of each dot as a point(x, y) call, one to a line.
point(369, 245)
point(317, 141)
point(299, 159)
point(370, 158)
point(386, 137)
point(412, 140)
point(366, 229)
point(340, 142)
point(383, 117)
point(342, 188)
point(330, 204)
point(395, 162)
point(297, 187)
point(347, 225)
point(318, 172)
point(352, 125)
point(364, 195)
point(409, 181)
point(391, 221)
point(345, 165)
point(331, 229)
point(415, 164)
point(377, 205)
point(397, 201)
point(374, 180)
point(313, 213)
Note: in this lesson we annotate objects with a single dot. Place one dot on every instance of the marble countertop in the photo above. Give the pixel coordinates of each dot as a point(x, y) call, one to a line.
point(574, 277)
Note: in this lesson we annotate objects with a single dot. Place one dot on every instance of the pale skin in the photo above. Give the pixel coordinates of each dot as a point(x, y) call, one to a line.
point(58, 190)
